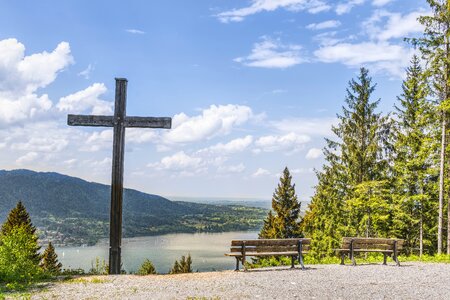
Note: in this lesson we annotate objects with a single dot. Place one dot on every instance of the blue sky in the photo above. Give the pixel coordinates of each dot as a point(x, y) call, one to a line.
point(252, 86)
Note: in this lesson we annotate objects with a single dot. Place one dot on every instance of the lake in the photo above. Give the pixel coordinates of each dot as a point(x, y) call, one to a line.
point(206, 249)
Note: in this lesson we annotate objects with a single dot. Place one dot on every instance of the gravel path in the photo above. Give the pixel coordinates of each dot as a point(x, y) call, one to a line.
point(410, 281)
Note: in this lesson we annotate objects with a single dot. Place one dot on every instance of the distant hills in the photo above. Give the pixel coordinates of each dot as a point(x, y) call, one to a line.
point(71, 211)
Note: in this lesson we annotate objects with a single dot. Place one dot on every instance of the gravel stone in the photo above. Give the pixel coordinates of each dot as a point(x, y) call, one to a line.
point(410, 281)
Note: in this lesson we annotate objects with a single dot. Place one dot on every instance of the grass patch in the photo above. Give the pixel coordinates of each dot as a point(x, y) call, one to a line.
point(86, 280)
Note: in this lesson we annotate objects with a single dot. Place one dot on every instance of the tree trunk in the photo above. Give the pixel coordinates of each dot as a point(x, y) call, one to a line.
point(441, 185)
point(421, 234)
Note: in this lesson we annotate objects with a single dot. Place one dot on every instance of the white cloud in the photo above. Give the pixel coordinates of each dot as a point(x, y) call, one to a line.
point(86, 73)
point(135, 31)
point(395, 25)
point(98, 140)
point(21, 76)
point(239, 168)
point(290, 142)
point(257, 6)
point(27, 158)
point(272, 54)
point(177, 162)
point(214, 121)
point(381, 2)
point(314, 153)
point(233, 146)
point(346, 7)
point(87, 100)
point(41, 144)
point(324, 25)
point(378, 56)
point(306, 126)
point(260, 172)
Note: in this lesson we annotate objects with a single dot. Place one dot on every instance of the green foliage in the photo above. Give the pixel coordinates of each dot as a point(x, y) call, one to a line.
point(352, 194)
point(19, 217)
point(50, 263)
point(286, 221)
point(415, 164)
point(184, 266)
point(71, 211)
point(18, 266)
point(98, 267)
point(146, 268)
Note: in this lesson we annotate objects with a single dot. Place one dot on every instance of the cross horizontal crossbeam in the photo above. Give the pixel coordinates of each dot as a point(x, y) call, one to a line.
point(108, 121)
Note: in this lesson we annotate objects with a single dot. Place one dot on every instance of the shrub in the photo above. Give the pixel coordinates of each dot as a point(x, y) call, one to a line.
point(146, 268)
point(18, 266)
point(184, 266)
point(50, 263)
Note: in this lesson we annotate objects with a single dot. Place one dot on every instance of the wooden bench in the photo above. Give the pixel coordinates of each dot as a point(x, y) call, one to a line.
point(295, 248)
point(353, 245)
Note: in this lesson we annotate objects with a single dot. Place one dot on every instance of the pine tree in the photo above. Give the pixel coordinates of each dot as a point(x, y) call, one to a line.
point(146, 268)
point(50, 263)
point(184, 266)
point(18, 217)
point(435, 49)
point(268, 229)
point(414, 166)
point(356, 163)
point(286, 221)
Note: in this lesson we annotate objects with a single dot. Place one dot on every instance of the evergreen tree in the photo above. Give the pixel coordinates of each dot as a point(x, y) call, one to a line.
point(435, 49)
point(414, 162)
point(50, 263)
point(184, 266)
point(286, 221)
point(146, 268)
point(268, 229)
point(356, 163)
point(18, 217)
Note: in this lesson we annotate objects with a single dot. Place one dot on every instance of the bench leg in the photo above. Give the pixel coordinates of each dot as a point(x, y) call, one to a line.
point(395, 258)
point(243, 264)
point(237, 264)
point(342, 258)
point(384, 259)
point(292, 261)
point(300, 258)
point(352, 256)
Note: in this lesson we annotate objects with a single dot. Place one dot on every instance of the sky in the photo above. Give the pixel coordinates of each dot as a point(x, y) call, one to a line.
point(252, 86)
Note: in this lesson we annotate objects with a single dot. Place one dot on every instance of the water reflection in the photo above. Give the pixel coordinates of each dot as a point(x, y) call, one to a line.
point(207, 251)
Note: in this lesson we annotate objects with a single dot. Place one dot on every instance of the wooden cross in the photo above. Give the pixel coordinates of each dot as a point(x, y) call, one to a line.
point(119, 121)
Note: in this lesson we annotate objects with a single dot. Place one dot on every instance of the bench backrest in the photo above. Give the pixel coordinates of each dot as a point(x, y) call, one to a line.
point(270, 245)
point(372, 243)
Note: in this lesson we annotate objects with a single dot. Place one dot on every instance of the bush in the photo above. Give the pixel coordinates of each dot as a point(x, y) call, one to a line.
point(184, 266)
point(18, 265)
point(146, 268)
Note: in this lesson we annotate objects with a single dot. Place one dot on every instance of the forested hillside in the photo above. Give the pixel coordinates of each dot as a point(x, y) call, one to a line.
point(69, 210)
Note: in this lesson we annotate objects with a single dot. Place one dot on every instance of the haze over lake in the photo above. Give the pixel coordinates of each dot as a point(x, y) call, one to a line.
point(206, 249)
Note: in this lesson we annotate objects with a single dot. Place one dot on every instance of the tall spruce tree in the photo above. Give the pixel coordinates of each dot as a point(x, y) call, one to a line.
point(50, 263)
point(414, 163)
point(18, 217)
point(435, 49)
point(285, 222)
point(356, 163)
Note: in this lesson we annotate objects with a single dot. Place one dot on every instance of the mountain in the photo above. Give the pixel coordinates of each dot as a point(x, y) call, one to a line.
point(71, 211)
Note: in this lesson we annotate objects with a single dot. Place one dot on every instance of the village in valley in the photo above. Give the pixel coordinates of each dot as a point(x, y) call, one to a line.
point(147, 156)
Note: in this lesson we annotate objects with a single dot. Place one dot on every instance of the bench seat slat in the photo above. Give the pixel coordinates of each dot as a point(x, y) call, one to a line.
point(270, 242)
point(290, 253)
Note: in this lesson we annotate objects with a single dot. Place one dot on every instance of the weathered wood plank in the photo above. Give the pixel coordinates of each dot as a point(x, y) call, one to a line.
point(347, 240)
point(85, 120)
point(287, 253)
point(270, 242)
point(115, 229)
point(265, 249)
point(148, 122)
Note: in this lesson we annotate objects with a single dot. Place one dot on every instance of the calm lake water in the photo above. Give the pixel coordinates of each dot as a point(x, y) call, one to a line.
point(206, 249)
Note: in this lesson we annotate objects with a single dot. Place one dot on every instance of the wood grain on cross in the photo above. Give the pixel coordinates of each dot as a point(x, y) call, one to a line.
point(119, 121)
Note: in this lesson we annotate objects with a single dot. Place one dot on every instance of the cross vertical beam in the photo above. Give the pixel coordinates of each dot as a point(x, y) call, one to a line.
point(115, 229)
point(119, 122)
